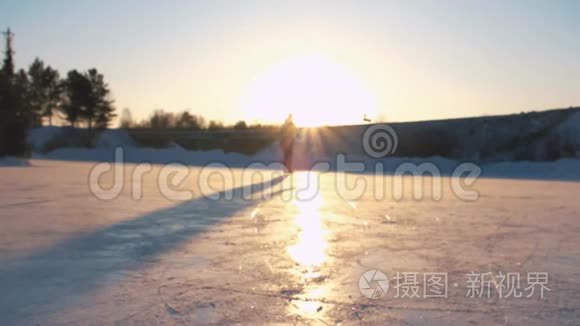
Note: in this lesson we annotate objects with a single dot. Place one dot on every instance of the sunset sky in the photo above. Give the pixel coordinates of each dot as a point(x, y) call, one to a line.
point(328, 62)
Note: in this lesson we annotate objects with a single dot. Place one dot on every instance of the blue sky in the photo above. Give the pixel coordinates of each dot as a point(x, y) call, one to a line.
point(230, 60)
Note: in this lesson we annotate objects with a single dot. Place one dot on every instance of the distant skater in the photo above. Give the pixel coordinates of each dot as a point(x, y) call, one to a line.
point(287, 135)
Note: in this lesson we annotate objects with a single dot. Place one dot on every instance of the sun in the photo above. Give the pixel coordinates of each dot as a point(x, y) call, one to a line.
point(315, 89)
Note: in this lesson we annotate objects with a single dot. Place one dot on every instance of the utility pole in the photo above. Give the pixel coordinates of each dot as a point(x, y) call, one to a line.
point(8, 66)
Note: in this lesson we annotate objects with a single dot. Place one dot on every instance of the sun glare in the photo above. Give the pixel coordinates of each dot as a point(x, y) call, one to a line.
point(310, 248)
point(315, 89)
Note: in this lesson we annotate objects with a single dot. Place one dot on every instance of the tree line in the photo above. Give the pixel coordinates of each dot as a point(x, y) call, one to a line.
point(30, 96)
point(160, 119)
point(34, 96)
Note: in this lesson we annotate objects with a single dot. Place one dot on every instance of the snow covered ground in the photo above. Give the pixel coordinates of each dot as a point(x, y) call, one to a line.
point(308, 151)
point(67, 257)
point(324, 145)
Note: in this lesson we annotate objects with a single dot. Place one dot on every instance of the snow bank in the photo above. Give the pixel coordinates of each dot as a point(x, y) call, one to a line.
point(13, 161)
point(111, 138)
point(148, 155)
point(565, 169)
point(570, 129)
point(306, 155)
point(39, 138)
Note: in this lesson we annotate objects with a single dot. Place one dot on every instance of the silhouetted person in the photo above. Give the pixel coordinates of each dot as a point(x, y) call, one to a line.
point(287, 135)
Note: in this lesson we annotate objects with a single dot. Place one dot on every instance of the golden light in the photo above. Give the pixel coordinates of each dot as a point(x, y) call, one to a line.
point(309, 251)
point(309, 306)
point(315, 89)
point(310, 248)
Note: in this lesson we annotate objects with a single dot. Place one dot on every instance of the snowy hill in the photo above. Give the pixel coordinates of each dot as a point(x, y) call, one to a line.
point(534, 136)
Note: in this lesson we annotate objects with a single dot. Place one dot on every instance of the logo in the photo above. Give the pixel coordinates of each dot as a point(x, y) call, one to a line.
point(373, 284)
point(380, 140)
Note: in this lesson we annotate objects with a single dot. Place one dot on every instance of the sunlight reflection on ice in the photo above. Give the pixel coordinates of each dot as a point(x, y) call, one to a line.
point(310, 248)
point(309, 251)
point(310, 303)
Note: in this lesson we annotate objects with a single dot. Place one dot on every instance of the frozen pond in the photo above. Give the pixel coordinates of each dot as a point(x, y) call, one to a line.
point(268, 255)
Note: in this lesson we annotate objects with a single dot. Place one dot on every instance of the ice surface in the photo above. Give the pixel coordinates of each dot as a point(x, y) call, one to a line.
point(67, 257)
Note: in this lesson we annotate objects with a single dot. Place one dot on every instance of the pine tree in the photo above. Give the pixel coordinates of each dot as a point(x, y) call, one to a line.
point(8, 66)
point(13, 110)
point(77, 92)
point(100, 107)
point(45, 92)
point(88, 99)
